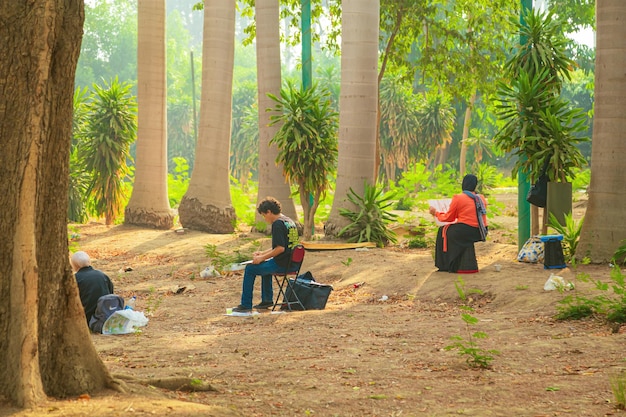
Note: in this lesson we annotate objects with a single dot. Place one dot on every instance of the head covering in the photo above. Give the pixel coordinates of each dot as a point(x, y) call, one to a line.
point(469, 182)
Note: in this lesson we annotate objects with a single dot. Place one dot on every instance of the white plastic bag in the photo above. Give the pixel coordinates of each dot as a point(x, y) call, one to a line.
point(124, 322)
point(556, 282)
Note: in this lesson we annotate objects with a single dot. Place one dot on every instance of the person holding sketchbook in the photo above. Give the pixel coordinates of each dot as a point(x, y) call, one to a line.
point(270, 261)
point(466, 223)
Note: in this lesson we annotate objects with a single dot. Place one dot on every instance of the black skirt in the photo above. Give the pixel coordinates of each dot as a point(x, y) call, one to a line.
point(459, 236)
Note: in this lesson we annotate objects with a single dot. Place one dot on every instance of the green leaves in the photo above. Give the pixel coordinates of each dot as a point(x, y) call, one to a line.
point(104, 145)
point(307, 142)
point(369, 221)
point(539, 126)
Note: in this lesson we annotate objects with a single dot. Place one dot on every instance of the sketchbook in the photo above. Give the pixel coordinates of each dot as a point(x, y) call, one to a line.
point(442, 204)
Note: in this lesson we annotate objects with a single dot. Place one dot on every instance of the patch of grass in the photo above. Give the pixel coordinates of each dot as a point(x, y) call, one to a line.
point(617, 379)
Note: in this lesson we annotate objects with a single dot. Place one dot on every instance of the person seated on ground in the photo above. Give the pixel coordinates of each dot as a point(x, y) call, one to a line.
point(271, 261)
point(92, 283)
point(463, 230)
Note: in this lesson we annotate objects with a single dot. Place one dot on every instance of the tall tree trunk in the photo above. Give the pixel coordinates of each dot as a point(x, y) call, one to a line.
point(358, 104)
point(149, 204)
point(42, 325)
point(605, 220)
point(271, 179)
point(466, 126)
point(207, 205)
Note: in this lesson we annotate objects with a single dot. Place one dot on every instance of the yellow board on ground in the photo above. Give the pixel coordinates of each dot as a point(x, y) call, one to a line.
point(336, 245)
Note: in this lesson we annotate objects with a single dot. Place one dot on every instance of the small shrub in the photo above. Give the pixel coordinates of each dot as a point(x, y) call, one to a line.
point(222, 260)
point(417, 242)
point(475, 356)
point(369, 222)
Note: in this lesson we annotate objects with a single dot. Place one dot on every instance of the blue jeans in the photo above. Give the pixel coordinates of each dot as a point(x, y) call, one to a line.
point(266, 269)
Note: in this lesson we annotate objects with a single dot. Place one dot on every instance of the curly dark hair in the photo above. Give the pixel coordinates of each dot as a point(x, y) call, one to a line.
point(269, 203)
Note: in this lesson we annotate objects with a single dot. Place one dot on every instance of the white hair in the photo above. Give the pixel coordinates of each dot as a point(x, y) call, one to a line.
point(80, 260)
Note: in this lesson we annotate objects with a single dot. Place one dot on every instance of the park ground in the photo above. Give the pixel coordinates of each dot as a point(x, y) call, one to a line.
point(365, 354)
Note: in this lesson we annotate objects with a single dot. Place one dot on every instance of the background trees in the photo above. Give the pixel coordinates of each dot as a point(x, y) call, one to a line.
point(449, 53)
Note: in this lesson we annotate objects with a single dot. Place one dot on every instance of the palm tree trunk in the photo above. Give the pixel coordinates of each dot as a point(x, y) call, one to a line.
point(271, 179)
point(207, 205)
point(605, 220)
point(358, 105)
point(466, 126)
point(149, 204)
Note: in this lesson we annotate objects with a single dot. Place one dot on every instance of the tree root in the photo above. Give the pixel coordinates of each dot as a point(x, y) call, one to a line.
point(172, 383)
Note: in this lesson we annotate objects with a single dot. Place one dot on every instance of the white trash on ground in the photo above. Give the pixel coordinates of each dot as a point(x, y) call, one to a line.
point(124, 322)
point(556, 282)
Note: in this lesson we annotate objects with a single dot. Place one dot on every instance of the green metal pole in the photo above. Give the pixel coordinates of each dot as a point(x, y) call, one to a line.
point(307, 73)
point(306, 44)
point(523, 186)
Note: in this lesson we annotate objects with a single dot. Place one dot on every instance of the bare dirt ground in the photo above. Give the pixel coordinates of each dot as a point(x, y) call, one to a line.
point(360, 356)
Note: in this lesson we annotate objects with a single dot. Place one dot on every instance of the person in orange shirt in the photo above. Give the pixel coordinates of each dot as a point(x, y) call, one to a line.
point(465, 227)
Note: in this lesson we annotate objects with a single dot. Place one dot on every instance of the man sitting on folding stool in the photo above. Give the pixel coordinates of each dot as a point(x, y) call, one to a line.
point(271, 261)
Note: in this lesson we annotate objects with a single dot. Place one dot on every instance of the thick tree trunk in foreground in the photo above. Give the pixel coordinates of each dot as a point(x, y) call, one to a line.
point(605, 220)
point(45, 347)
point(207, 205)
point(358, 106)
point(149, 204)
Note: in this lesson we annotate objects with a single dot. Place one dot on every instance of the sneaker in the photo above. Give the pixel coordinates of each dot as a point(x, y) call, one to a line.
point(241, 309)
point(263, 305)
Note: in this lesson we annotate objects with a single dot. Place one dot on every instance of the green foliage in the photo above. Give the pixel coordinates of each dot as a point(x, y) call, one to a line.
point(581, 179)
point(417, 242)
point(370, 220)
point(544, 47)
point(475, 356)
point(222, 261)
point(399, 139)
point(244, 157)
point(570, 231)
point(547, 129)
point(307, 143)
point(619, 257)
point(243, 202)
point(612, 306)
point(178, 181)
point(104, 146)
point(79, 177)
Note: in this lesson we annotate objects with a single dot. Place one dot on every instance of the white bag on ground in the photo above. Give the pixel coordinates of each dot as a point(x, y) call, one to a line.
point(124, 321)
point(556, 282)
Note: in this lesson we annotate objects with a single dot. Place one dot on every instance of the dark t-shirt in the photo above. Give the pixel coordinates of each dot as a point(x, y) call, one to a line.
point(92, 284)
point(285, 234)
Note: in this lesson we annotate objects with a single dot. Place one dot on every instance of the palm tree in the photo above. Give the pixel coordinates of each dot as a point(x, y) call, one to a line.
point(605, 220)
point(79, 177)
point(398, 126)
point(207, 204)
point(307, 143)
point(436, 121)
point(271, 180)
point(149, 204)
point(358, 106)
point(105, 146)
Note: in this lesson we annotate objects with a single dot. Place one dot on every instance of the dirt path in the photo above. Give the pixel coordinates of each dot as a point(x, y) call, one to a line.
point(358, 357)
